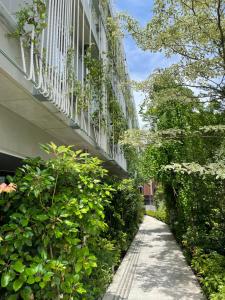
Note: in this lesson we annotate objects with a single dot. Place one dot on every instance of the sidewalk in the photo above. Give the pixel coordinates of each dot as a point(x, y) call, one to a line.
point(154, 268)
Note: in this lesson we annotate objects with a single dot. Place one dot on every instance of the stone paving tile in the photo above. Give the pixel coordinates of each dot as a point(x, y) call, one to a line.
point(154, 268)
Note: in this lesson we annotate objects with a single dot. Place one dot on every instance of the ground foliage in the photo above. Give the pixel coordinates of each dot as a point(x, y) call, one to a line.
point(59, 236)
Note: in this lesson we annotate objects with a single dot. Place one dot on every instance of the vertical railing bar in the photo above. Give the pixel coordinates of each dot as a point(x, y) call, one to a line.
point(61, 56)
point(64, 58)
point(56, 73)
point(62, 36)
point(90, 41)
point(23, 55)
point(67, 32)
point(78, 31)
point(66, 52)
point(69, 24)
point(73, 47)
point(67, 48)
point(31, 56)
point(82, 64)
point(36, 68)
point(40, 79)
point(45, 92)
point(49, 65)
point(53, 61)
point(100, 56)
point(70, 48)
point(82, 45)
point(72, 60)
point(59, 40)
point(64, 55)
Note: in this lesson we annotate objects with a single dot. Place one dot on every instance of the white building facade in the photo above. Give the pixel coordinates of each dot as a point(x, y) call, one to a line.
point(63, 78)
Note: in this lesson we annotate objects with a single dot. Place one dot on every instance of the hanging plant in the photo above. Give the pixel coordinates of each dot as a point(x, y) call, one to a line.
point(31, 17)
point(104, 4)
point(117, 118)
point(99, 120)
point(96, 73)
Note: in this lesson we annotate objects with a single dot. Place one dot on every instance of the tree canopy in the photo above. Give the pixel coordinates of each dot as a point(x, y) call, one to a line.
point(194, 31)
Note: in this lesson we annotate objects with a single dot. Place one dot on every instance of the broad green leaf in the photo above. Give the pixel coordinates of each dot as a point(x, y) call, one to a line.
point(37, 279)
point(58, 233)
point(81, 290)
point(31, 280)
point(31, 271)
point(14, 256)
point(78, 267)
point(42, 284)
point(41, 217)
point(24, 222)
point(43, 253)
point(18, 283)
point(76, 278)
point(9, 236)
point(18, 266)
point(5, 279)
point(47, 276)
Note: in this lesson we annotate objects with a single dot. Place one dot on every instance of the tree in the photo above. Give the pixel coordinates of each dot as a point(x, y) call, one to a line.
point(194, 31)
point(183, 147)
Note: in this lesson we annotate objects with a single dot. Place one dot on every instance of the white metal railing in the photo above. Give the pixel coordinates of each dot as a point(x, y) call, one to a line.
point(118, 155)
point(47, 66)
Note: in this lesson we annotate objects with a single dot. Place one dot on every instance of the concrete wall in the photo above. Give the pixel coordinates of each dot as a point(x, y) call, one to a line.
point(19, 137)
point(14, 5)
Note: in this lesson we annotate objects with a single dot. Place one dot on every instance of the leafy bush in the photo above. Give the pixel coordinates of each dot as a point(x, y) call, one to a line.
point(65, 228)
point(211, 268)
point(51, 237)
point(160, 214)
point(124, 212)
point(159, 197)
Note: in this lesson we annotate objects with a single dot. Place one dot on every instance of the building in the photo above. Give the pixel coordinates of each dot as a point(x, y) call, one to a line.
point(149, 189)
point(63, 79)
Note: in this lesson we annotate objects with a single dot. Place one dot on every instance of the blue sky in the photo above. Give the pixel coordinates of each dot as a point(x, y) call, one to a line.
point(140, 63)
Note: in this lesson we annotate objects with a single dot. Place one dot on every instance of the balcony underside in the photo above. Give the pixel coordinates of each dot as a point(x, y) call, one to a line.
point(16, 98)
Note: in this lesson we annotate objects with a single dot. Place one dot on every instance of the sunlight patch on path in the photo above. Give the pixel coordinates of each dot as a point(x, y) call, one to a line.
point(154, 268)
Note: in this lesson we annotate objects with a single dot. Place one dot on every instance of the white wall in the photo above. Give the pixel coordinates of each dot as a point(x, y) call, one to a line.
point(19, 137)
point(14, 5)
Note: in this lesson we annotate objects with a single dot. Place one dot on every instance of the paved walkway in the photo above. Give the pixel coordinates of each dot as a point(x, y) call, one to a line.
point(154, 268)
point(150, 207)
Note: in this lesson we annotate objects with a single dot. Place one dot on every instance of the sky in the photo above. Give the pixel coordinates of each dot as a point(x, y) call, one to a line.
point(140, 64)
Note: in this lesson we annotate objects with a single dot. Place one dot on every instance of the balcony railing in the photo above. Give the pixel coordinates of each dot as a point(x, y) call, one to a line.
point(48, 63)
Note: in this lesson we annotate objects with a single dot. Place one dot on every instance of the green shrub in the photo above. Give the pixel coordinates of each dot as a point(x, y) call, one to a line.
point(159, 197)
point(160, 214)
point(211, 269)
point(65, 228)
point(124, 212)
point(50, 241)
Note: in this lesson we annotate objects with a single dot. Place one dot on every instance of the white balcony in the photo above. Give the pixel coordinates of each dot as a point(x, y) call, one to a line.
point(44, 72)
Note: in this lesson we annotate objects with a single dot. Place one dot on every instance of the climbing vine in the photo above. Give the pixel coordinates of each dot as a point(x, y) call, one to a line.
point(117, 118)
point(94, 93)
point(31, 17)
